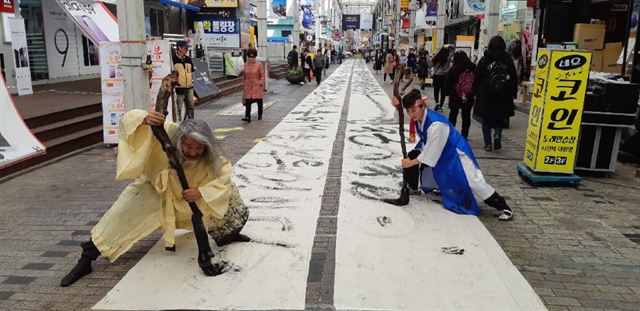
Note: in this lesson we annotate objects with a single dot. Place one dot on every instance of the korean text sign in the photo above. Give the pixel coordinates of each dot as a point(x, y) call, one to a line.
point(556, 110)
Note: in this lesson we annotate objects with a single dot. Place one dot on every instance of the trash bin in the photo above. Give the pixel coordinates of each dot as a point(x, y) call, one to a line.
point(610, 107)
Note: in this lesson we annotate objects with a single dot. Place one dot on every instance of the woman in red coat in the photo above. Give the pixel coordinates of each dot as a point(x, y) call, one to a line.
point(253, 84)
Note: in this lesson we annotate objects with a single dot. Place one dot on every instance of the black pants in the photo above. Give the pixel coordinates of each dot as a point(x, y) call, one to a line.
point(466, 115)
point(247, 107)
point(412, 176)
point(318, 73)
point(438, 89)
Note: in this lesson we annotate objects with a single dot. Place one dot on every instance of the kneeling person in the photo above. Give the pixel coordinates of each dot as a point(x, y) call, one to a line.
point(155, 199)
point(445, 161)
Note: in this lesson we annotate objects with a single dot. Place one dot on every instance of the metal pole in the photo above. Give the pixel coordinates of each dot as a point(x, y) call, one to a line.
point(316, 12)
point(261, 15)
point(489, 25)
point(440, 23)
point(133, 53)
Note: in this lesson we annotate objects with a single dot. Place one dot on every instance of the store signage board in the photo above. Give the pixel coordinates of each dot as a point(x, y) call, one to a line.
point(17, 143)
point(216, 3)
point(474, 7)
point(7, 6)
point(556, 110)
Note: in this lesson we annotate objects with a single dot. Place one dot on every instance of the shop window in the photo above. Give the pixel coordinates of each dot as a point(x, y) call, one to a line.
point(286, 33)
point(156, 19)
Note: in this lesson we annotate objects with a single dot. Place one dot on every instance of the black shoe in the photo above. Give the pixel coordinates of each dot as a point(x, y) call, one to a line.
point(488, 147)
point(497, 144)
point(82, 268)
point(246, 120)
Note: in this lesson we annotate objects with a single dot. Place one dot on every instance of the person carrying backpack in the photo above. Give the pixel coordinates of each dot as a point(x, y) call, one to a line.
point(496, 87)
point(458, 86)
point(318, 64)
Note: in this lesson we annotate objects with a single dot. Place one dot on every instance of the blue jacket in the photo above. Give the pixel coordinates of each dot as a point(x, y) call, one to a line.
point(448, 172)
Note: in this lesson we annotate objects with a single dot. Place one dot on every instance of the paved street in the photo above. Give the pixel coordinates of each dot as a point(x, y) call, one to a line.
point(578, 248)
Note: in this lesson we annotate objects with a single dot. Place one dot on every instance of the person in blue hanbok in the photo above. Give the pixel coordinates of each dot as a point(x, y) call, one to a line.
point(443, 160)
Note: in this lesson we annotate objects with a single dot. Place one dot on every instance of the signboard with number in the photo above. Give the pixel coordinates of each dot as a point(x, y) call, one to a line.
point(556, 110)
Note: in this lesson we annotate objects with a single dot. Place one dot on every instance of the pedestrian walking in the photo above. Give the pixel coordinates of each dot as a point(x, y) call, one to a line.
point(253, 84)
point(458, 86)
point(305, 60)
point(184, 90)
point(378, 61)
point(388, 66)
point(412, 60)
point(423, 69)
point(155, 199)
point(440, 65)
point(318, 65)
point(496, 87)
point(444, 161)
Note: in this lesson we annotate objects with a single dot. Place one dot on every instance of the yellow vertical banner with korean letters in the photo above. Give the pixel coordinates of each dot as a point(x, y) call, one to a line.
point(404, 4)
point(537, 106)
point(562, 115)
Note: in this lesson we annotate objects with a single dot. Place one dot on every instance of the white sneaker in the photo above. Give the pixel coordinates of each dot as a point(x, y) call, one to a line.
point(505, 215)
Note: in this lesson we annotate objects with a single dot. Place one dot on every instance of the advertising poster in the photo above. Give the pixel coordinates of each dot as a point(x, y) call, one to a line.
point(6, 6)
point(16, 140)
point(564, 93)
point(350, 21)
point(20, 56)
point(113, 105)
point(278, 8)
point(427, 15)
point(473, 7)
point(404, 4)
point(94, 19)
point(60, 41)
point(405, 17)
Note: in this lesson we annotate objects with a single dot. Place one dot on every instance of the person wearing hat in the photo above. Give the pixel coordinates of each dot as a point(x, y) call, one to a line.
point(184, 90)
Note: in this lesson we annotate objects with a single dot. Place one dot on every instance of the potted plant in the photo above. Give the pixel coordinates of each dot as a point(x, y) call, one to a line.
point(294, 75)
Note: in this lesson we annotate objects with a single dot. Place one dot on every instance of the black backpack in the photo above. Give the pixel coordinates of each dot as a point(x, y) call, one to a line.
point(290, 59)
point(498, 76)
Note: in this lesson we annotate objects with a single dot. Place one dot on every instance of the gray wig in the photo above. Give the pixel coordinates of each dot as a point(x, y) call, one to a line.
point(199, 131)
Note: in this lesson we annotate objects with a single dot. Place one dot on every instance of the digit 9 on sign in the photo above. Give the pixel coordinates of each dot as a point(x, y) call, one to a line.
point(562, 119)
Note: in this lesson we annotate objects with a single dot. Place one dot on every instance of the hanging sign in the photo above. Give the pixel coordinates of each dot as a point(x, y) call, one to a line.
point(556, 110)
point(60, 41)
point(113, 105)
point(20, 56)
point(17, 143)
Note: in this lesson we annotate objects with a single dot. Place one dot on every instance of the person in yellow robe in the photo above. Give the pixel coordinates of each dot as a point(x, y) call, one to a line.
point(155, 199)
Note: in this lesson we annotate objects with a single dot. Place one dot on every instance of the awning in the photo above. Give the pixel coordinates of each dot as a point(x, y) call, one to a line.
point(180, 5)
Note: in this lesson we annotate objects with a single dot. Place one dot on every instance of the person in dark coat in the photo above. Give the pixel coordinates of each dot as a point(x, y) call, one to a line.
point(495, 91)
point(423, 68)
point(461, 64)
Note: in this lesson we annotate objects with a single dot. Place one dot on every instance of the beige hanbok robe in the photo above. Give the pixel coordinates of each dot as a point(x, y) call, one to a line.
point(154, 200)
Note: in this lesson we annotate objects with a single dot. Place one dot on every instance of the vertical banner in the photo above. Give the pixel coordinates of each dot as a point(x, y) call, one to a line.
point(366, 21)
point(537, 105)
point(94, 19)
point(563, 91)
point(113, 106)
point(20, 56)
point(427, 15)
point(16, 140)
point(473, 7)
point(7, 6)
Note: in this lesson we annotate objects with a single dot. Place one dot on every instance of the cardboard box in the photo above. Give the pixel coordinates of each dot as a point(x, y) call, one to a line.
point(596, 60)
point(610, 56)
point(589, 36)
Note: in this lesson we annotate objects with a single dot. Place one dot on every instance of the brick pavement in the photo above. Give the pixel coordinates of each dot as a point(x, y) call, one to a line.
point(579, 248)
point(48, 211)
